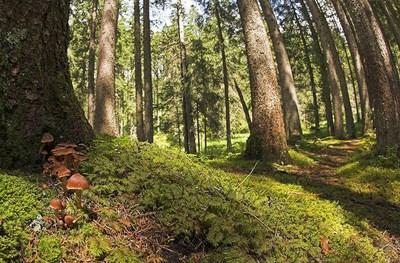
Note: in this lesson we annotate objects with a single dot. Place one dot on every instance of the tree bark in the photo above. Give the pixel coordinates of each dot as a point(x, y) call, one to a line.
point(326, 91)
point(221, 43)
point(391, 19)
point(105, 120)
point(36, 94)
point(140, 133)
point(92, 62)
point(244, 104)
point(310, 72)
point(345, 21)
point(189, 129)
point(291, 106)
point(268, 138)
point(383, 83)
point(148, 83)
point(337, 80)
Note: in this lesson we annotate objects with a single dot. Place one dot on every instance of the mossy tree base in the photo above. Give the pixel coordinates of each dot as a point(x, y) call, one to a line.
point(36, 94)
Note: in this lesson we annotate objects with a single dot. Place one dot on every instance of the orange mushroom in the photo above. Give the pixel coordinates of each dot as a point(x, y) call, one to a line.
point(77, 183)
point(69, 220)
point(57, 205)
point(62, 172)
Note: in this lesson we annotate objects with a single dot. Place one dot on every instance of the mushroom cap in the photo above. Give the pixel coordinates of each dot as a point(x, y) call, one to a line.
point(62, 171)
point(69, 220)
point(62, 151)
point(67, 145)
point(56, 204)
point(47, 138)
point(77, 182)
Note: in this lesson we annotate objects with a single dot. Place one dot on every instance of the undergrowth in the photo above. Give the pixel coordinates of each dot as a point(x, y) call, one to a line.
point(155, 204)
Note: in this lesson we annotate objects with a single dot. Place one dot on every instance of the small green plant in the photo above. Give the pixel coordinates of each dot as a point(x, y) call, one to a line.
point(49, 249)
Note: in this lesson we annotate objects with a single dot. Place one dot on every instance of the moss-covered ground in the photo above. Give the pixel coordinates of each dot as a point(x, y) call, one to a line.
point(337, 202)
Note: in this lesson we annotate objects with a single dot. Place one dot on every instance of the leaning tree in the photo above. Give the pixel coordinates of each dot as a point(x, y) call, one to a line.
point(268, 137)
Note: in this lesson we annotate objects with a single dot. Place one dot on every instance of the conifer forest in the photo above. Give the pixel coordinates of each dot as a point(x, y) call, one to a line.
point(199, 131)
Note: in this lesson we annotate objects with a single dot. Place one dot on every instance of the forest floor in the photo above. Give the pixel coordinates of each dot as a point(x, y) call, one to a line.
point(337, 202)
point(343, 171)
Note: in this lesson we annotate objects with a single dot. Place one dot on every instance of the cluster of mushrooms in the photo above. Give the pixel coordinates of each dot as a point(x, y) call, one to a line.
point(62, 162)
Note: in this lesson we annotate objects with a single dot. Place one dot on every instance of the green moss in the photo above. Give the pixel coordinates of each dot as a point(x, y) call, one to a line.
point(301, 159)
point(49, 249)
point(264, 219)
point(19, 206)
point(122, 255)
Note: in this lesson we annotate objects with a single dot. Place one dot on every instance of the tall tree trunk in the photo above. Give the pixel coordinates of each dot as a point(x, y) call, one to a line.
point(92, 62)
point(326, 92)
point(244, 104)
point(148, 83)
point(140, 134)
point(345, 21)
point(36, 94)
point(268, 138)
point(225, 73)
point(291, 106)
point(391, 19)
point(189, 129)
point(383, 83)
point(310, 72)
point(105, 116)
point(205, 134)
point(335, 70)
point(353, 81)
point(198, 128)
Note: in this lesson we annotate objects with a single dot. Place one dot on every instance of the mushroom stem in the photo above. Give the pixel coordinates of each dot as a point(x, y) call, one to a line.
point(64, 185)
point(79, 198)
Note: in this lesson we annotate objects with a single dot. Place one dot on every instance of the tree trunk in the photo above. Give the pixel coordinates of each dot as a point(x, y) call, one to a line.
point(345, 21)
point(383, 83)
point(105, 116)
point(244, 104)
point(36, 94)
point(310, 72)
point(140, 134)
point(353, 81)
point(391, 19)
point(291, 107)
point(221, 43)
point(326, 92)
point(92, 61)
point(148, 83)
point(335, 71)
point(268, 138)
point(189, 129)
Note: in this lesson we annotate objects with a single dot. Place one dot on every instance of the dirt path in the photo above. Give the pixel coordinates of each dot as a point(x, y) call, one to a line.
point(323, 179)
point(329, 159)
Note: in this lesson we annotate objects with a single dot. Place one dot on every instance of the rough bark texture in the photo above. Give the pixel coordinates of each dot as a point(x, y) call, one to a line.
point(391, 19)
point(92, 62)
point(358, 66)
point(268, 139)
point(105, 121)
point(140, 134)
point(189, 129)
point(383, 84)
point(310, 72)
point(291, 106)
point(335, 71)
point(148, 82)
point(244, 104)
point(326, 92)
point(36, 94)
point(225, 75)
